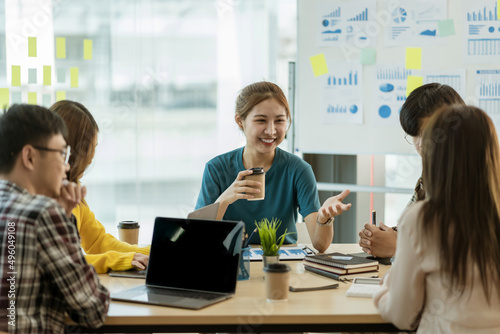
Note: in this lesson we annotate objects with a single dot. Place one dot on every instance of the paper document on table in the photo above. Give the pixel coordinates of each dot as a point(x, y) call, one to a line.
point(298, 252)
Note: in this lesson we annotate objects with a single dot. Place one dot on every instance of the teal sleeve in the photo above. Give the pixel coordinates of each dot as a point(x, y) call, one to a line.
point(210, 187)
point(307, 192)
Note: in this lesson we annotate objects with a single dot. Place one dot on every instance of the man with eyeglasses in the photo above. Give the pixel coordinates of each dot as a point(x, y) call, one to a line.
point(380, 241)
point(43, 271)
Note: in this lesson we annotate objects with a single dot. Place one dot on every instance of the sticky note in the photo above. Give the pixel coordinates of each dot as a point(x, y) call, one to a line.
point(73, 73)
point(446, 28)
point(31, 46)
point(32, 75)
point(47, 75)
point(61, 75)
point(413, 82)
point(61, 47)
point(46, 100)
point(60, 95)
point(318, 64)
point(4, 98)
point(87, 49)
point(367, 56)
point(31, 97)
point(16, 97)
point(498, 9)
point(413, 58)
point(16, 75)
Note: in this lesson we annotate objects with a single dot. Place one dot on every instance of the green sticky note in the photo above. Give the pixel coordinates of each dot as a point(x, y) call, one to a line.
point(31, 46)
point(16, 97)
point(61, 47)
point(16, 75)
point(32, 75)
point(46, 100)
point(367, 56)
point(318, 63)
point(412, 83)
point(47, 75)
point(61, 75)
point(413, 58)
point(446, 28)
point(60, 95)
point(31, 97)
point(73, 73)
point(4, 98)
point(87, 49)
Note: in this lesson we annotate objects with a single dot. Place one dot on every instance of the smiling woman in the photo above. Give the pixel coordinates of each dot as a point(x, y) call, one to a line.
point(262, 113)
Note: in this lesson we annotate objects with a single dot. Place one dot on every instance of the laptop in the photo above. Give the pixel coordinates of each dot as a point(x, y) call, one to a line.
point(193, 264)
point(206, 212)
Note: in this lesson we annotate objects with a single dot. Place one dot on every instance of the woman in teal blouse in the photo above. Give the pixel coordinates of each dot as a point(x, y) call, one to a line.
point(262, 113)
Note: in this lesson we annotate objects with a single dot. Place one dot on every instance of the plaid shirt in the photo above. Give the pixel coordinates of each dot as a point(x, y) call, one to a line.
point(418, 194)
point(42, 268)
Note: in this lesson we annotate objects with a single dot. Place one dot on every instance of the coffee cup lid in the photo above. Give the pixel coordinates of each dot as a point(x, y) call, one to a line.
point(257, 170)
point(128, 224)
point(277, 268)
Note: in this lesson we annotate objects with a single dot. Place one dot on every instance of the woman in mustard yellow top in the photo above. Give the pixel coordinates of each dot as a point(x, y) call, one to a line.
point(103, 250)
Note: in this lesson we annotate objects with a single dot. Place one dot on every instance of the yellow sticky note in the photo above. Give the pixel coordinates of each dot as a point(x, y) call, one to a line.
point(31, 46)
point(498, 9)
point(412, 83)
point(31, 97)
point(60, 95)
point(4, 98)
point(73, 73)
point(318, 63)
point(61, 47)
point(87, 49)
point(16, 75)
point(47, 75)
point(413, 58)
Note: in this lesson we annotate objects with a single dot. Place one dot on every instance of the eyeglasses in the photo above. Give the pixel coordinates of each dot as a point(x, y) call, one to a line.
point(409, 139)
point(66, 153)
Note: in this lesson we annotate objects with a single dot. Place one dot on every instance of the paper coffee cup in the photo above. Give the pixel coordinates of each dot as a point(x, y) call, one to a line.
point(260, 176)
point(128, 231)
point(277, 277)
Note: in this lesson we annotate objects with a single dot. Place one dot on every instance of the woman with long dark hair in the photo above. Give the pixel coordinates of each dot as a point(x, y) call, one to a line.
point(447, 267)
point(103, 250)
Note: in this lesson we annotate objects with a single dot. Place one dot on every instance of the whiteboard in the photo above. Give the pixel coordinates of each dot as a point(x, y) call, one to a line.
point(313, 135)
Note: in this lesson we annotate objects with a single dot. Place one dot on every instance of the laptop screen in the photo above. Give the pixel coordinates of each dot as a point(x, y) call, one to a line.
point(195, 254)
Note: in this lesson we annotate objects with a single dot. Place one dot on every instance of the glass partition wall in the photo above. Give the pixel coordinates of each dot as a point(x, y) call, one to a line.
point(160, 78)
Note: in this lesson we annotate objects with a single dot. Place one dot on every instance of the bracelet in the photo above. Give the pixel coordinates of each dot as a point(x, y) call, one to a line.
point(329, 222)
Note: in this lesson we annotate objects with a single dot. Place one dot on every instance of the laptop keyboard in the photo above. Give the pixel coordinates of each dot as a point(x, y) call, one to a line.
point(184, 293)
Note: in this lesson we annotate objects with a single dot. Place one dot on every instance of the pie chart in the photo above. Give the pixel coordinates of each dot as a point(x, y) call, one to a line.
point(399, 15)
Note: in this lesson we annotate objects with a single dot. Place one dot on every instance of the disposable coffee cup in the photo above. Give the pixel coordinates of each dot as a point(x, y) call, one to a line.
point(277, 277)
point(128, 231)
point(259, 175)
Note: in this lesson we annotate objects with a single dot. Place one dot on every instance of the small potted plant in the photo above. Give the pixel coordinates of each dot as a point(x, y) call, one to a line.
point(269, 243)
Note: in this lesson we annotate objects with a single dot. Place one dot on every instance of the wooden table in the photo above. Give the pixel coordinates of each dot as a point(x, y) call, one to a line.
point(248, 311)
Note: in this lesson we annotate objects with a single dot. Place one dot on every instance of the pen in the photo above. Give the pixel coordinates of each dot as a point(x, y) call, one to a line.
point(374, 218)
point(250, 237)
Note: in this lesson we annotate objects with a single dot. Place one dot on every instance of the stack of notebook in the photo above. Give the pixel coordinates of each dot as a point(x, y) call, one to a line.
point(341, 266)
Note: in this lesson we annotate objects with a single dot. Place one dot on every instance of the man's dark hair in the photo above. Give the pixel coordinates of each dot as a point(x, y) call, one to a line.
point(422, 102)
point(25, 124)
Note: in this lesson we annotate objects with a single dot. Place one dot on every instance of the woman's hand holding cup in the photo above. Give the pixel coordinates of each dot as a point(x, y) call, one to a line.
point(241, 188)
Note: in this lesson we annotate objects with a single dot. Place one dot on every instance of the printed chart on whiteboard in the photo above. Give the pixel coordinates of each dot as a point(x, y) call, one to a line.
point(390, 93)
point(415, 22)
point(341, 22)
point(453, 78)
point(343, 94)
point(488, 93)
point(481, 32)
